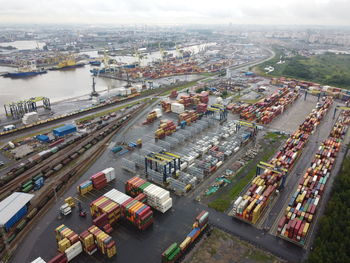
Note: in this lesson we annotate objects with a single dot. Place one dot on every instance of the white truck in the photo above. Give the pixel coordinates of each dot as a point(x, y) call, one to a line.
point(65, 209)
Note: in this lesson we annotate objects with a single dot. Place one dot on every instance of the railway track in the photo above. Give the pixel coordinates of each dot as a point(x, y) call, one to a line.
point(48, 167)
point(45, 200)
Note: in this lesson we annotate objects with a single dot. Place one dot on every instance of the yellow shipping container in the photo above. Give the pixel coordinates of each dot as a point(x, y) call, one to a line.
point(63, 245)
point(256, 213)
point(306, 228)
point(111, 251)
point(185, 243)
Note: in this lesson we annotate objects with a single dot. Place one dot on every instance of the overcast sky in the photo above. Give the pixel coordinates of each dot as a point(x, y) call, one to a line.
point(307, 12)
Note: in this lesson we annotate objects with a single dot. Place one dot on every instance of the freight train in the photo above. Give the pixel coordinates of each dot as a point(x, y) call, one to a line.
point(76, 113)
point(49, 194)
point(47, 172)
point(174, 252)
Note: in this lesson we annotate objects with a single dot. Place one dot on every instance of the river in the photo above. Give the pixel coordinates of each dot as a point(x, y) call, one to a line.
point(64, 84)
point(23, 44)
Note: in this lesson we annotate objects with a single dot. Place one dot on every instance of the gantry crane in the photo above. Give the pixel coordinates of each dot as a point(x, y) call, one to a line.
point(273, 168)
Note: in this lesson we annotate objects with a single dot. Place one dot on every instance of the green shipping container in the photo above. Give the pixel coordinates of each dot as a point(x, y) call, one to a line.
point(170, 250)
point(37, 176)
point(54, 150)
point(142, 187)
point(88, 146)
point(21, 224)
point(174, 254)
point(27, 184)
point(27, 189)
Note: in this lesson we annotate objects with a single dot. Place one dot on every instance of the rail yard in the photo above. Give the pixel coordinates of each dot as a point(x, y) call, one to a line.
point(156, 171)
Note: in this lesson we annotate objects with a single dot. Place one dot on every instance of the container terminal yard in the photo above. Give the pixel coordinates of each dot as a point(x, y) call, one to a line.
point(137, 169)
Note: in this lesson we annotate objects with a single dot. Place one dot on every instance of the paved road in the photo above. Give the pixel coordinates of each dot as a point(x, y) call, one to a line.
point(305, 159)
point(170, 227)
point(11, 136)
point(135, 246)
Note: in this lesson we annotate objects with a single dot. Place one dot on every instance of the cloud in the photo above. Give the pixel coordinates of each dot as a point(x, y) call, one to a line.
point(332, 12)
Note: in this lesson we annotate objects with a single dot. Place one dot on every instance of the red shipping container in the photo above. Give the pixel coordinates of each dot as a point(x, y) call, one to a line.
point(60, 258)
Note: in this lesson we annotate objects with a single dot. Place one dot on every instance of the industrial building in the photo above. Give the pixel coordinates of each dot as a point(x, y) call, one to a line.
point(64, 130)
point(13, 208)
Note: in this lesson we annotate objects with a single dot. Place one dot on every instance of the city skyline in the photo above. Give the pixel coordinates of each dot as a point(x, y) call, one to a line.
point(269, 12)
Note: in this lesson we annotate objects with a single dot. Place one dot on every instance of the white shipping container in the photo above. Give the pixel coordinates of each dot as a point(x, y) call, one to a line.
point(238, 201)
point(183, 166)
point(110, 174)
point(166, 205)
point(177, 107)
point(316, 201)
point(38, 260)
point(219, 164)
point(158, 112)
point(74, 250)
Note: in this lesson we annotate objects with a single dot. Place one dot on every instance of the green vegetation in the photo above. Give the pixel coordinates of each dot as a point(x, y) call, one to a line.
point(209, 74)
point(327, 69)
point(274, 136)
point(260, 256)
point(225, 94)
point(36, 133)
point(246, 174)
point(333, 238)
point(99, 114)
point(226, 248)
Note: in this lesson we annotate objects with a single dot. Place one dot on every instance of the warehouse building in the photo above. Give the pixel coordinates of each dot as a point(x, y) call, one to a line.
point(64, 130)
point(13, 209)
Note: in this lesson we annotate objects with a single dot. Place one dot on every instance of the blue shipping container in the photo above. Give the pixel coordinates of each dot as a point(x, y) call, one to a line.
point(43, 138)
point(18, 216)
point(64, 130)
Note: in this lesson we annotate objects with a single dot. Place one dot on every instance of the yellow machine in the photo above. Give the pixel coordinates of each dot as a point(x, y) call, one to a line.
point(70, 201)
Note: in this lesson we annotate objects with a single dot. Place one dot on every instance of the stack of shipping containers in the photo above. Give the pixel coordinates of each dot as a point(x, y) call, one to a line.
point(251, 205)
point(294, 225)
point(134, 211)
point(157, 197)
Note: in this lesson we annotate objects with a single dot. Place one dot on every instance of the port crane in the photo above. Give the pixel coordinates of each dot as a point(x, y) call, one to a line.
point(162, 52)
point(339, 108)
point(273, 168)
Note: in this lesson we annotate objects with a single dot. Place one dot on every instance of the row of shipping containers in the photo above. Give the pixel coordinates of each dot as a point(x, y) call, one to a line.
point(296, 222)
point(157, 197)
point(175, 251)
point(265, 111)
point(70, 244)
point(97, 181)
point(200, 100)
point(134, 211)
point(253, 203)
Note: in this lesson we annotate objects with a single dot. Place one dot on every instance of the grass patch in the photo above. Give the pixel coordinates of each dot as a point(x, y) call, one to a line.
point(208, 74)
point(260, 256)
point(220, 204)
point(327, 69)
point(36, 133)
point(212, 251)
point(274, 136)
point(96, 115)
point(246, 174)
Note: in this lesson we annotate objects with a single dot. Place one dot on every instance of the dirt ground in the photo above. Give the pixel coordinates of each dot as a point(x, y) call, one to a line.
point(221, 247)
